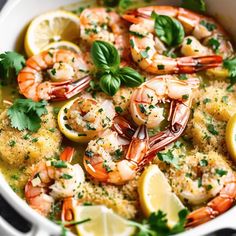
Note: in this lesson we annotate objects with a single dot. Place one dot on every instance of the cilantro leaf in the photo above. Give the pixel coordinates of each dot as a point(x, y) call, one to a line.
point(194, 5)
point(168, 158)
point(230, 65)
point(10, 64)
point(26, 114)
point(179, 227)
point(157, 224)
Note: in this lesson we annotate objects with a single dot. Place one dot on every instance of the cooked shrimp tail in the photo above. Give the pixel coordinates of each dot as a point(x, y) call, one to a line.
point(215, 207)
point(54, 75)
point(47, 183)
point(123, 127)
point(65, 90)
point(190, 65)
point(138, 146)
point(101, 161)
point(68, 207)
point(67, 154)
point(145, 109)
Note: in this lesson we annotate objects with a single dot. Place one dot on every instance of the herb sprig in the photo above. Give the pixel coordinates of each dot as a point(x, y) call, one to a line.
point(107, 60)
point(10, 65)
point(230, 65)
point(157, 224)
point(26, 114)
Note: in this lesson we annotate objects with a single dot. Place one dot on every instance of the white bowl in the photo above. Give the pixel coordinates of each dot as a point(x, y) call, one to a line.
point(13, 20)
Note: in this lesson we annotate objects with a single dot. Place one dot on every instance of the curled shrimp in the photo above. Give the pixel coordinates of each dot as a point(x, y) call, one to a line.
point(145, 108)
point(51, 180)
point(148, 51)
point(106, 160)
point(146, 99)
point(90, 116)
point(67, 70)
point(106, 25)
point(197, 183)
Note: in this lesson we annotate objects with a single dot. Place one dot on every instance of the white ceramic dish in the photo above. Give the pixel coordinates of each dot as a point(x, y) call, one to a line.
point(13, 18)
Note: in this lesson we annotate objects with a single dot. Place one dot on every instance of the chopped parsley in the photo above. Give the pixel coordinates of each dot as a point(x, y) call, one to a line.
point(212, 130)
point(215, 44)
point(160, 67)
point(183, 77)
point(221, 172)
point(118, 109)
point(185, 96)
point(225, 99)
point(203, 162)
point(66, 176)
point(189, 41)
point(208, 25)
point(59, 164)
point(12, 143)
point(89, 153)
point(206, 100)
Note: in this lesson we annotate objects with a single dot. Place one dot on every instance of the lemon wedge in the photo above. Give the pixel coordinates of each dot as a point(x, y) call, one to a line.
point(63, 45)
point(155, 194)
point(65, 127)
point(230, 137)
point(103, 221)
point(51, 27)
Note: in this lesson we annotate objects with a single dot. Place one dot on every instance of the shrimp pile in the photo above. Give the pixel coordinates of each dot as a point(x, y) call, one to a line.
point(126, 132)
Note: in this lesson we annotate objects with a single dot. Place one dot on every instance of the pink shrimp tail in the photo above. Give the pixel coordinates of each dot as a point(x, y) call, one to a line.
point(199, 63)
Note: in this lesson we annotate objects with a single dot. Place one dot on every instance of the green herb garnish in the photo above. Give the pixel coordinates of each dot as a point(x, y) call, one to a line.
point(157, 224)
point(168, 158)
point(168, 29)
point(107, 60)
point(26, 114)
point(10, 65)
point(221, 172)
point(59, 164)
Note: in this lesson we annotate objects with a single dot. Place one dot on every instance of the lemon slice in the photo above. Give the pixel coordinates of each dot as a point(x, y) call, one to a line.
point(63, 45)
point(103, 221)
point(65, 127)
point(230, 137)
point(155, 194)
point(51, 27)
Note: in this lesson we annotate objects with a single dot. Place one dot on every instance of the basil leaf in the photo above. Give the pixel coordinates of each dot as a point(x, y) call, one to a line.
point(168, 29)
point(105, 56)
point(195, 5)
point(130, 77)
point(109, 84)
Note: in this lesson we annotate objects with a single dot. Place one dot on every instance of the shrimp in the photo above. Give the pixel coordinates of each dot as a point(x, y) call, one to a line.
point(106, 161)
point(209, 177)
point(67, 70)
point(145, 108)
point(106, 25)
point(51, 180)
point(90, 116)
point(147, 50)
point(100, 158)
point(121, 100)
